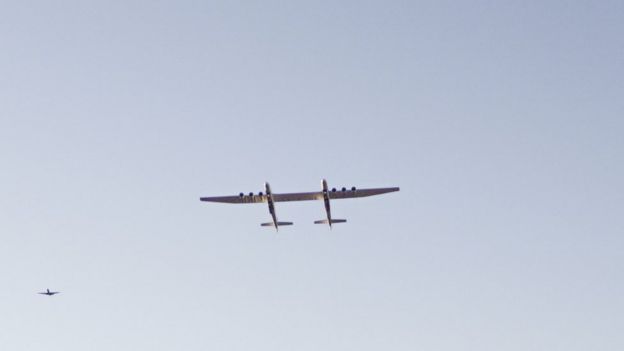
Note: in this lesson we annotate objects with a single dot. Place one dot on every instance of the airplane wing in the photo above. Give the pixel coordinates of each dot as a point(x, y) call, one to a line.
point(254, 199)
point(298, 196)
point(318, 195)
point(245, 199)
point(349, 194)
point(338, 194)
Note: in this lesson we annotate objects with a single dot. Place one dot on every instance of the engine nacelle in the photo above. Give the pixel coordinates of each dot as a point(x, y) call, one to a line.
point(352, 188)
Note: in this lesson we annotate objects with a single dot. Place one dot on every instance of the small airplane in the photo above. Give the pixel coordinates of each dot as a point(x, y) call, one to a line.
point(49, 293)
point(325, 194)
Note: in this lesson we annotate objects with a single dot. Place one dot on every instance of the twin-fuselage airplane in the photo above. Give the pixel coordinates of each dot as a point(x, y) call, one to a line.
point(326, 195)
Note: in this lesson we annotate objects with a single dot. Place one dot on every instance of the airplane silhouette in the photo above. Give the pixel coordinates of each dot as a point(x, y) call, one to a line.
point(49, 293)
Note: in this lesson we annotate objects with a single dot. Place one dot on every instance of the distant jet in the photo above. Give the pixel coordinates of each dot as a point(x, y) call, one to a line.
point(325, 194)
point(49, 293)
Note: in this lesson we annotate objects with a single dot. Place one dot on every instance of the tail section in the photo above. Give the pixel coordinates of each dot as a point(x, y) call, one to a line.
point(324, 221)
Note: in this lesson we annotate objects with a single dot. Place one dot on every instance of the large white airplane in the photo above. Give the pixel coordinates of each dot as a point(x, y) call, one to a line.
point(325, 194)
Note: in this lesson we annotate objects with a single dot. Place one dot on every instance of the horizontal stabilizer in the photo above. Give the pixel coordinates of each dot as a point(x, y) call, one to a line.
point(279, 224)
point(324, 221)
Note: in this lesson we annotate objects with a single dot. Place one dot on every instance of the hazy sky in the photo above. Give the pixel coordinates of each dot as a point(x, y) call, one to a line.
point(502, 122)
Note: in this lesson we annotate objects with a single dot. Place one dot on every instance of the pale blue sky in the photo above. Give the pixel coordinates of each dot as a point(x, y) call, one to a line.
point(500, 121)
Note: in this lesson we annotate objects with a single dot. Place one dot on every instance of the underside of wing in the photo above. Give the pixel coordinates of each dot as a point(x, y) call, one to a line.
point(237, 199)
point(298, 196)
point(348, 194)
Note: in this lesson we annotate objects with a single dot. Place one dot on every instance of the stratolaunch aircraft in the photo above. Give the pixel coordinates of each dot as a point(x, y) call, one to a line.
point(325, 194)
point(49, 293)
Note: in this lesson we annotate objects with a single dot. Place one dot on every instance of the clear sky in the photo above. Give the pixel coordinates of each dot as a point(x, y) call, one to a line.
point(502, 123)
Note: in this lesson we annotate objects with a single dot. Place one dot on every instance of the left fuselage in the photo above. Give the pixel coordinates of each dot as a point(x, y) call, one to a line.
point(326, 201)
point(269, 195)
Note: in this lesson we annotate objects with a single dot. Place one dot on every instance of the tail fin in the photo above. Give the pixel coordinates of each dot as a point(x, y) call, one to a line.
point(279, 224)
point(324, 221)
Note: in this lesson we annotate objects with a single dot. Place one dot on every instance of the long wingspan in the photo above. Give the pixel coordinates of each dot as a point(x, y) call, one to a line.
point(318, 195)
